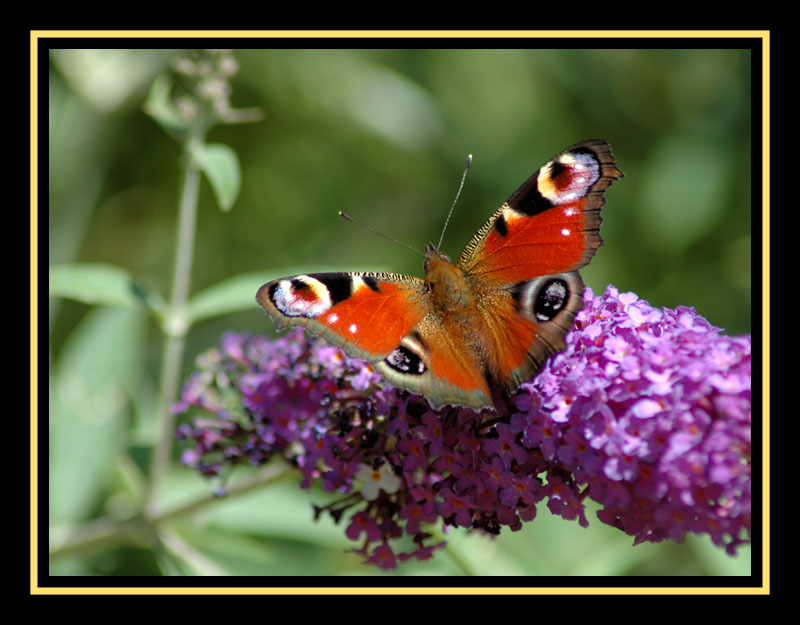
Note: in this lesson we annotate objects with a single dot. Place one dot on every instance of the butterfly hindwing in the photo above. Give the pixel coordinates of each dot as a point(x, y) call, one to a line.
point(434, 362)
point(548, 305)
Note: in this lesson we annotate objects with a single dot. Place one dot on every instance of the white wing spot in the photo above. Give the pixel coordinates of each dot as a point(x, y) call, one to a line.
point(566, 232)
point(353, 328)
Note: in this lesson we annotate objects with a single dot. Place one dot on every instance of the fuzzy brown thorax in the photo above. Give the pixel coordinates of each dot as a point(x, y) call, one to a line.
point(446, 283)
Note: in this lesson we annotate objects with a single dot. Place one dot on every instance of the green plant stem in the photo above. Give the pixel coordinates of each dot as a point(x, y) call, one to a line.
point(104, 533)
point(176, 325)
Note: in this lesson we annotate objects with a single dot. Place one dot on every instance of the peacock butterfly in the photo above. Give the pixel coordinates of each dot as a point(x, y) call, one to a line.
point(488, 321)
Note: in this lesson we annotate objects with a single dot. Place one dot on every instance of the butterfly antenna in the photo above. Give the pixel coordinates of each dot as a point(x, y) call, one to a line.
point(458, 194)
point(380, 234)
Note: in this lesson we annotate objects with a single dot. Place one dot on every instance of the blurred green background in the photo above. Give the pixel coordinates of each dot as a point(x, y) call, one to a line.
point(382, 135)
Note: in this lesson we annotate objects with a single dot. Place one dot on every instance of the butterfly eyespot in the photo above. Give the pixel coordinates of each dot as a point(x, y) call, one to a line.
point(300, 297)
point(543, 299)
point(550, 299)
point(403, 360)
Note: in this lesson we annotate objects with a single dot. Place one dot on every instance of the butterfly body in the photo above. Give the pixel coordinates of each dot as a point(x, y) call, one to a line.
point(487, 321)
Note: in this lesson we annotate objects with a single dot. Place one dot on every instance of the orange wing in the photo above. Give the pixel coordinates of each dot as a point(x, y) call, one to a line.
point(367, 314)
point(550, 225)
point(523, 262)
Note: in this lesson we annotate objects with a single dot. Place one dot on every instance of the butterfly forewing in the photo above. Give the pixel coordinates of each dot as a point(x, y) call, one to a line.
point(551, 224)
point(367, 314)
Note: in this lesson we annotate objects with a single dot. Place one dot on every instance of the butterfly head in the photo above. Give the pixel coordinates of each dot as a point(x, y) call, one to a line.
point(436, 262)
point(432, 252)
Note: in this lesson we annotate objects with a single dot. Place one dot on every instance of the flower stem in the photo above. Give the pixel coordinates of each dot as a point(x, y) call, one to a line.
point(104, 533)
point(176, 324)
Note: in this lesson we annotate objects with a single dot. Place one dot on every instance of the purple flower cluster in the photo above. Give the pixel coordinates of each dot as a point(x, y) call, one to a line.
point(651, 410)
point(646, 411)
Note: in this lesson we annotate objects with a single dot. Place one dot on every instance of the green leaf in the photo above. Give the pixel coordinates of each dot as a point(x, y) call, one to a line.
point(98, 283)
point(231, 295)
point(221, 166)
point(90, 386)
point(159, 106)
